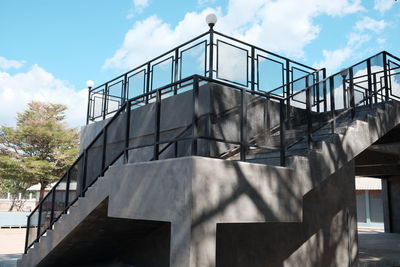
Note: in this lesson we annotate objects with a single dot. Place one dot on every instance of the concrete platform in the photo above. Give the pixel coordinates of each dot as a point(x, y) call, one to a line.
point(378, 249)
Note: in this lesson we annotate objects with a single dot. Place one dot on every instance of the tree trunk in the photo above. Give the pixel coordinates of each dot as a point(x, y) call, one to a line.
point(42, 189)
point(12, 204)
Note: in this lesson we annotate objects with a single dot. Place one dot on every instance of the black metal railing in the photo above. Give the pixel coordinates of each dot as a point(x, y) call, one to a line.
point(123, 141)
point(371, 81)
point(143, 128)
point(213, 55)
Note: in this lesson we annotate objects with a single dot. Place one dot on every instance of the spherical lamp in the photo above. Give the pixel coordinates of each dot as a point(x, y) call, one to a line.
point(89, 84)
point(211, 19)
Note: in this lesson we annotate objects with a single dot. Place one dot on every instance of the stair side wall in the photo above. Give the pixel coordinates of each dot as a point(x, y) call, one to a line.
point(326, 237)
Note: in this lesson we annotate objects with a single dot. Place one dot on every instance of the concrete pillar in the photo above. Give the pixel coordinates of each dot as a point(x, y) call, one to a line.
point(391, 204)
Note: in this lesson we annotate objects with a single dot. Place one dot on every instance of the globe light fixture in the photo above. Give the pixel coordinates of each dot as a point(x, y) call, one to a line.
point(211, 19)
point(90, 84)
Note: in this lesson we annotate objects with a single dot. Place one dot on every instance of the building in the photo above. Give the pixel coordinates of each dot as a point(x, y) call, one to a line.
point(244, 158)
point(369, 202)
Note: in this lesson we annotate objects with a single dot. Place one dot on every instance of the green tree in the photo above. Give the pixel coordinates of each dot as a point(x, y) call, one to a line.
point(13, 181)
point(39, 149)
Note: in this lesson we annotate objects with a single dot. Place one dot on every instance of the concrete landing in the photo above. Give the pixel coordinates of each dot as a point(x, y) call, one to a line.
point(378, 249)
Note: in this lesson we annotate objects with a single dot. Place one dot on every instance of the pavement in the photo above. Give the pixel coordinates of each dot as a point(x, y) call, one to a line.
point(376, 248)
point(11, 246)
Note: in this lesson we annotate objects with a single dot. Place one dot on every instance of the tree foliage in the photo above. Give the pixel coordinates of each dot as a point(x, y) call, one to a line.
point(39, 149)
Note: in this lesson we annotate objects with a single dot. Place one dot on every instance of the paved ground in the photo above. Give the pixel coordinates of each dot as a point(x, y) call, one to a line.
point(11, 246)
point(376, 248)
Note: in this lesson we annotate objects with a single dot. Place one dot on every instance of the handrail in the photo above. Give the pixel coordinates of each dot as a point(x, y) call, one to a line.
point(175, 55)
point(338, 73)
point(225, 83)
point(263, 50)
point(194, 81)
point(153, 59)
point(95, 139)
point(351, 108)
point(298, 79)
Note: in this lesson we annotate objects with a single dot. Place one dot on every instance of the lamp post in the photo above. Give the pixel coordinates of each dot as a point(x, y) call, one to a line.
point(211, 20)
point(89, 85)
point(344, 73)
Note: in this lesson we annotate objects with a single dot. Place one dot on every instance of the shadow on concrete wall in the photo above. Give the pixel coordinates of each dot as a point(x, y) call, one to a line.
point(105, 241)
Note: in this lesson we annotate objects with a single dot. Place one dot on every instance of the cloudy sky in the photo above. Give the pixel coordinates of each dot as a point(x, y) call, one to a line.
point(48, 49)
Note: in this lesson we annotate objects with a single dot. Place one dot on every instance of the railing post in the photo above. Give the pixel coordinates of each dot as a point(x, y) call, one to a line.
point(157, 125)
point(147, 84)
point(211, 59)
point(176, 74)
point(332, 99)
point(53, 199)
point(385, 77)
point(105, 101)
point(282, 131)
point(39, 220)
point(316, 92)
point(351, 91)
point(309, 117)
point(88, 108)
point(67, 191)
point(252, 77)
point(176, 149)
point(243, 125)
point(83, 184)
point(127, 131)
point(369, 98)
point(344, 92)
point(195, 115)
point(103, 151)
point(124, 89)
point(375, 88)
point(287, 91)
point(324, 90)
point(28, 225)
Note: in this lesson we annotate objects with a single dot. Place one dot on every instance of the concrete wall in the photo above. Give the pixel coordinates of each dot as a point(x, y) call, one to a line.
point(326, 237)
point(219, 111)
point(191, 194)
point(212, 213)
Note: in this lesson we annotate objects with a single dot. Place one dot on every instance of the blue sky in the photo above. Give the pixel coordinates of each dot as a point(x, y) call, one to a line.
point(48, 49)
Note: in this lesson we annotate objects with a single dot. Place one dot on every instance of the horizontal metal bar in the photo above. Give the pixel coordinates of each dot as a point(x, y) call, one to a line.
point(154, 59)
point(265, 51)
point(218, 140)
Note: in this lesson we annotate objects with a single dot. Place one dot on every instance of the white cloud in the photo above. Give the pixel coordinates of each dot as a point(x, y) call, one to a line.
point(6, 64)
point(139, 6)
point(355, 40)
point(333, 59)
point(39, 85)
point(383, 5)
point(152, 36)
point(381, 41)
point(141, 3)
point(205, 2)
point(368, 23)
point(272, 25)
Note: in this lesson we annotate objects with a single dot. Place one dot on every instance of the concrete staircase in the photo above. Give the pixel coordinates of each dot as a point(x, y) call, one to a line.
point(281, 226)
point(327, 163)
